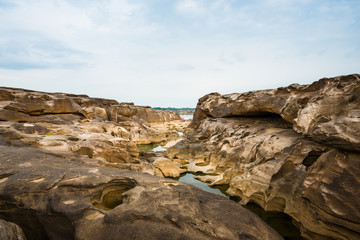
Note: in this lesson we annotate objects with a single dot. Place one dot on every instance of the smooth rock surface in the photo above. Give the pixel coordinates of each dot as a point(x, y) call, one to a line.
point(55, 196)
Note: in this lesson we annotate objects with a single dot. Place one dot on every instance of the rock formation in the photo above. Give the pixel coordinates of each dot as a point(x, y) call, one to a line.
point(70, 169)
point(63, 196)
point(294, 149)
point(97, 128)
point(156, 116)
point(10, 231)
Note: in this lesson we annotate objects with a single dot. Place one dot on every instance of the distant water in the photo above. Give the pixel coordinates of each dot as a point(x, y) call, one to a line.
point(187, 117)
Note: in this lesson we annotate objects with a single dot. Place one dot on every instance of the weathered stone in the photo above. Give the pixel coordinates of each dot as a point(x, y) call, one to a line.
point(293, 150)
point(23, 105)
point(54, 196)
point(156, 116)
point(10, 231)
point(167, 167)
point(104, 129)
point(326, 110)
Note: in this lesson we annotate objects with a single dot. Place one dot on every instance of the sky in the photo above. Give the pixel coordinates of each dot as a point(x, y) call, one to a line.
point(172, 52)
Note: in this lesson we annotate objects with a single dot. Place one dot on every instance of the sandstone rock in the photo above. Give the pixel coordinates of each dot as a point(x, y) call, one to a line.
point(327, 110)
point(293, 150)
point(94, 127)
point(54, 196)
point(26, 105)
point(167, 167)
point(156, 116)
point(10, 231)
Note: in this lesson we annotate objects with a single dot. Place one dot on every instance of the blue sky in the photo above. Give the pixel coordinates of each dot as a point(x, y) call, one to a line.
point(170, 53)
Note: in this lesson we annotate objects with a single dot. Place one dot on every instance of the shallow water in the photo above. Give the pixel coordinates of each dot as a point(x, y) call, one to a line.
point(148, 147)
point(187, 117)
point(159, 149)
point(189, 179)
point(281, 222)
point(151, 147)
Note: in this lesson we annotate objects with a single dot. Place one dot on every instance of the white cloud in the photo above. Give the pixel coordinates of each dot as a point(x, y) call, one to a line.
point(160, 51)
point(190, 7)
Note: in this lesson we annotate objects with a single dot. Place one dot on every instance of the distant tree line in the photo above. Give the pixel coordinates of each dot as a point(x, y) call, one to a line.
point(174, 109)
point(181, 111)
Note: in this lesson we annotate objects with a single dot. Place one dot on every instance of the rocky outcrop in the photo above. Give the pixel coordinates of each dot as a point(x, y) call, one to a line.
point(94, 127)
point(327, 111)
point(293, 150)
point(32, 106)
point(156, 116)
point(64, 196)
point(10, 231)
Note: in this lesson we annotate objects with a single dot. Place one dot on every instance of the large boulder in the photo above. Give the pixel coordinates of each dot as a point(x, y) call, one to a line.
point(54, 196)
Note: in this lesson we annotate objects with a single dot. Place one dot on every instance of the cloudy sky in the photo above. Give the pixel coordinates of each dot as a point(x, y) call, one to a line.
point(172, 52)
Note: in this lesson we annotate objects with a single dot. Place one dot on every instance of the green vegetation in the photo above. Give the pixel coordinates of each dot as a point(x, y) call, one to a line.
point(181, 111)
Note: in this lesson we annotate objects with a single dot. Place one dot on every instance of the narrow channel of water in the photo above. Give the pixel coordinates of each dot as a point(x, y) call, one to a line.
point(281, 222)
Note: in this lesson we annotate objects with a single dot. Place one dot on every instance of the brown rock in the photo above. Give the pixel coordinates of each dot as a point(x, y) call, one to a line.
point(65, 197)
point(104, 129)
point(156, 116)
point(10, 231)
point(167, 167)
point(287, 150)
point(327, 110)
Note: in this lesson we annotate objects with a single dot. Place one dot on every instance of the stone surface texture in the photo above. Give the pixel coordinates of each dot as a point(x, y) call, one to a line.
point(294, 149)
point(70, 169)
point(65, 196)
point(10, 231)
point(97, 128)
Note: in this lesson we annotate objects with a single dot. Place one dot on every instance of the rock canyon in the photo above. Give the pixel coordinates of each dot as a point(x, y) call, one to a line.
point(71, 166)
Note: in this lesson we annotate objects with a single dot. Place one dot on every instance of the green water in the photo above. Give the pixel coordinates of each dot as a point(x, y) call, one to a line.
point(147, 147)
point(151, 147)
point(189, 179)
point(281, 222)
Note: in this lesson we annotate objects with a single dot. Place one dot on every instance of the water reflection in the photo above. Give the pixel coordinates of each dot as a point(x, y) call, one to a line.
point(187, 117)
point(189, 179)
point(147, 147)
point(281, 222)
point(159, 149)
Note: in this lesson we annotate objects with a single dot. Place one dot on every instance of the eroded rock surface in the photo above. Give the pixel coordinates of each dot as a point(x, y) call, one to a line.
point(293, 150)
point(10, 231)
point(326, 111)
point(96, 128)
point(64, 196)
